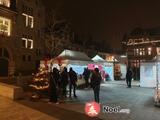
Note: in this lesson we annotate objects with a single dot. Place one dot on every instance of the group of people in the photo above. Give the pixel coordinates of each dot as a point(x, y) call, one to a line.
point(58, 82)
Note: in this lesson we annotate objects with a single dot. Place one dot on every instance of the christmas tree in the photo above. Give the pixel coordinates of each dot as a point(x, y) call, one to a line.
point(40, 80)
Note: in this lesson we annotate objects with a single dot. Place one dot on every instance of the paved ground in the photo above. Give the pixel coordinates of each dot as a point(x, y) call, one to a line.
point(138, 100)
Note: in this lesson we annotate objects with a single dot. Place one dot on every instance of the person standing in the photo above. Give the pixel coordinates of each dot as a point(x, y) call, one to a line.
point(86, 75)
point(95, 83)
point(72, 82)
point(53, 83)
point(64, 81)
point(129, 76)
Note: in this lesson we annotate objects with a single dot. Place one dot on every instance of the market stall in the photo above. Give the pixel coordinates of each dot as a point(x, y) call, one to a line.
point(149, 73)
point(68, 58)
point(106, 68)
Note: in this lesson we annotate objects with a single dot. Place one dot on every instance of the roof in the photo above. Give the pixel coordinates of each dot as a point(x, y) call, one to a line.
point(97, 58)
point(74, 55)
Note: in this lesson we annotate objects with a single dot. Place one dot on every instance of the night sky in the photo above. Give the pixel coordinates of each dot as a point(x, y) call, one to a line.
point(108, 19)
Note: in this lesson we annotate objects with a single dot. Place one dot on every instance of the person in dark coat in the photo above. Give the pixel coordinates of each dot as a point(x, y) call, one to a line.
point(64, 81)
point(129, 76)
point(72, 82)
point(86, 75)
point(95, 83)
point(53, 83)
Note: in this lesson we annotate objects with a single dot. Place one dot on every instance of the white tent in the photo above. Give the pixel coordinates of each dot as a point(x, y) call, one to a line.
point(150, 72)
point(106, 66)
point(97, 58)
point(74, 55)
point(75, 59)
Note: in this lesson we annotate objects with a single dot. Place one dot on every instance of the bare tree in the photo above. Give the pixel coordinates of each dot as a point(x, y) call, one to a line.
point(57, 31)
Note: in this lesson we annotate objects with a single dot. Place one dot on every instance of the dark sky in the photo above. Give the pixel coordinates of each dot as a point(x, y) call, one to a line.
point(109, 19)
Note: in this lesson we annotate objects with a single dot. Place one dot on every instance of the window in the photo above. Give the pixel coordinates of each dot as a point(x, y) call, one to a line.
point(29, 58)
point(24, 58)
point(5, 3)
point(137, 51)
point(5, 26)
point(29, 20)
point(30, 44)
point(24, 42)
point(38, 52)
point(141, 51)
point(4, 52)
point(149, 51)
point(27, 43)
point(27, 10)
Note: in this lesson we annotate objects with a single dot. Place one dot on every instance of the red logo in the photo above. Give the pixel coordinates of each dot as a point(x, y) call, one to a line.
point(92, 109)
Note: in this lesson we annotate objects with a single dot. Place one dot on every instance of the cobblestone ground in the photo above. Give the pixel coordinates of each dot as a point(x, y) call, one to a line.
point(138, 100)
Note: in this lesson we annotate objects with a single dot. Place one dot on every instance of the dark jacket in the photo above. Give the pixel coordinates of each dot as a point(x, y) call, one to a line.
point(129, 73)
point(95, 79)
point(53, 79)
point(86, 74)
point(64, 78)
point(73, 77)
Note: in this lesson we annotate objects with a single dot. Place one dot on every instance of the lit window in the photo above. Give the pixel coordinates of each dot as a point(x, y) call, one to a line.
point(29, 20)
point(24, 42)
point(30, 44)
point(27, 43)
point(5, 3)
point(143, 51)
point(5, 26)
point(137, 51)
point(149, 51)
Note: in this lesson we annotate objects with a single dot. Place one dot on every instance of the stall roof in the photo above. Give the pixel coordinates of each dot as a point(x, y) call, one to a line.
point(74, 55)
point(97, 58)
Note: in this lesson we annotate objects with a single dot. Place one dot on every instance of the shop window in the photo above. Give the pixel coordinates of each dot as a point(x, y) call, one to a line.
point(5, 3)
point(5, 26)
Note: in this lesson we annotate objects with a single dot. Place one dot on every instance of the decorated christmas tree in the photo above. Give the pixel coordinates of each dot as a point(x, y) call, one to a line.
point(40, 80)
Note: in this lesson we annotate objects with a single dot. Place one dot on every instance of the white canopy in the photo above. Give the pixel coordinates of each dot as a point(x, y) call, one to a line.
point(74, 55)
point(97, 58)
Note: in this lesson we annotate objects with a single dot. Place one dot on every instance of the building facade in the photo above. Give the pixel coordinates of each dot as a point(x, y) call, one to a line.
point(141, 45)
point(21, 36)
